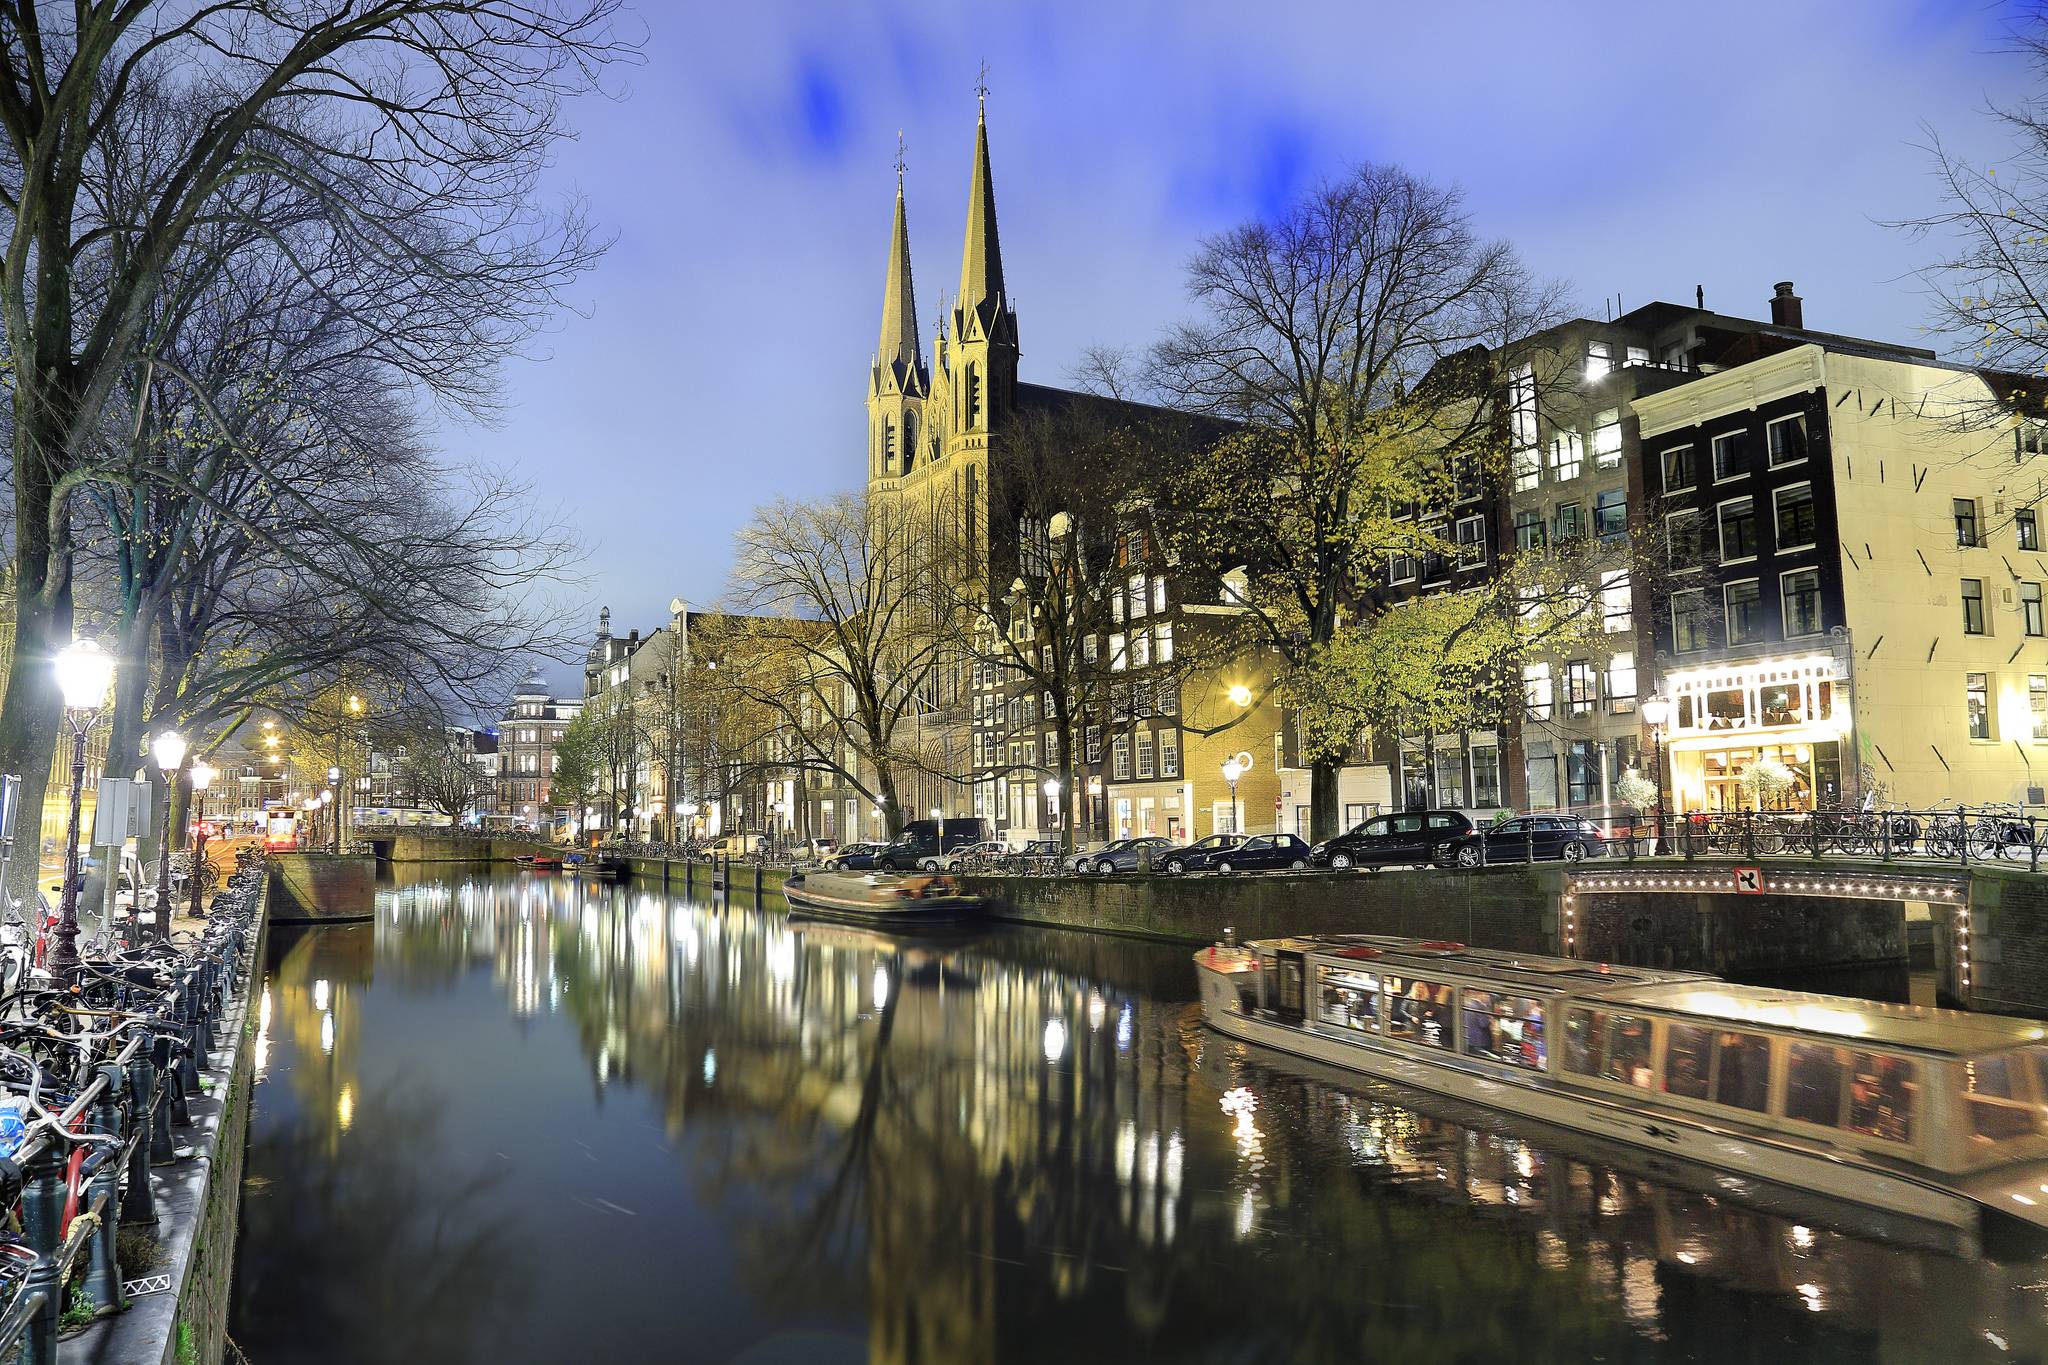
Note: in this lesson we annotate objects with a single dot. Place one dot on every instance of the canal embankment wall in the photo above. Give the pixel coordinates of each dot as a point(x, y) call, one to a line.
point(309, 887)
point(177, 1311)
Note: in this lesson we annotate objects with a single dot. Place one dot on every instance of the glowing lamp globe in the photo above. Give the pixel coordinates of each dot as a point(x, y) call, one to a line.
point(169, 748)
point(202, 775)
point(84, 673)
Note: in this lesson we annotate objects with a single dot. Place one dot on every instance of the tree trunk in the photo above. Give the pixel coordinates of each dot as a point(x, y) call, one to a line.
point(1323, 796)
point(29, 723)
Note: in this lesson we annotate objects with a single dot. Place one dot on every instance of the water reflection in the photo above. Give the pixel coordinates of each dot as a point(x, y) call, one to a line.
point(639, 1124)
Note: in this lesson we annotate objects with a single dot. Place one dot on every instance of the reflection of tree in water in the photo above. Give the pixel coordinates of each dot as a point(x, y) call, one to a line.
point(414, 1255)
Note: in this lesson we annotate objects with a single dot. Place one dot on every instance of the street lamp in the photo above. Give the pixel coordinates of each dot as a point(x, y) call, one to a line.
point(1240, 695)
point(169, 749)
point(84, 674)
point(1052, 798)
point(201, 775)
point(327, 797)
point(1232, 770)
point(1655, 711)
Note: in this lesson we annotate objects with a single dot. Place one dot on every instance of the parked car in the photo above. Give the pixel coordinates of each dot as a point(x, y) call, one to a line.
point(1081, 859)
point(1531, 836)
point(1258, 853)
point(974, 855)
point(1414, 836)
point(924, 844)
point(1129, 855)
point(855, 857)
point(1199, 854)
point(738, 845)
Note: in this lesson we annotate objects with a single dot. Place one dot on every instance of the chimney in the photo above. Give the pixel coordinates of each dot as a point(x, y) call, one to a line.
point(1785, 310)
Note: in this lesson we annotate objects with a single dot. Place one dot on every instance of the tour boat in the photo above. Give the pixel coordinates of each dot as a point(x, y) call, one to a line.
point(1940, 1115)
point(539, 861)
point(904, 903)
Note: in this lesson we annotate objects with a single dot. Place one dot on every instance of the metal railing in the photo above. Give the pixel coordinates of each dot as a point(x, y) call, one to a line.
point(106, 1061)
point(1958, 835)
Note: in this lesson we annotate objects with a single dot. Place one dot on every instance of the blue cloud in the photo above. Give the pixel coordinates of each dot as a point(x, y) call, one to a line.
point(821, 109)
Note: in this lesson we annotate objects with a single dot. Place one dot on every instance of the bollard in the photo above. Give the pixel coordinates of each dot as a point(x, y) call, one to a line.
point(138, 1204)
point(42, 1219)
point(188, 1028)
point(164, 1078)
point(103, 1271)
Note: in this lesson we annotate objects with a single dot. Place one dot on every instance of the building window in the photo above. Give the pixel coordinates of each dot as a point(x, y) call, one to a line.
point(2030, 607)
point(2037, 703)
point(1800, 592)
point(1977, 697)
point(1118, 655)
point(1599, 360)
point(1738, 530)
point(1169, 754)
point(1471, 540)
point(1621, 683)
point(1094, 744)
point(1681, 469)
point(1486, 776)
point(1145, 756)
point(1973, 606)
point(1795, 516)
point(1536, 690)
point(1159, 594)
point(1141, 648)
point(1569, 524)
point(2023, 526)
point(1566, 450)
point(1614, 601)
point(1682, 541)
point(1607, 438)
point(1638, 355)
point(1610, 515)
point(1401, 568)
point(1527, 466)
point(1522, 405)
point(1120, 759)
point(1786, 440)
point(1689, 621)
point(2029, 438)
point(1528, 530)
point(1728, 460)
point(1163, 650)
point(1465, 478)
point(1582, 773)
point(1966, 523)
point(1745, 605)
point(1580, 689)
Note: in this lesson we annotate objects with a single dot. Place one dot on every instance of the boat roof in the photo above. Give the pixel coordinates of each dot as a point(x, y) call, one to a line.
point(1923, 1028)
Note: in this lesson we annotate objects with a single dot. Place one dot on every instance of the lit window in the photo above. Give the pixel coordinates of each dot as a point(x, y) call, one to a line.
point(1536, 695)
point(2037, 703)
point(1527, 466)
point(1528, 530)
point(1163, 650)
point(1607, 438)
point(1580, 690)
point(1569, 524)
point(1599, 360)
point(1610, 515)
point(1614, 601)
point(1117, 658)
point(1745, 608)
point(1158, 594)
point(1566, 451)
point(1977, 698)
point(1621, 683)
point(1801, 599)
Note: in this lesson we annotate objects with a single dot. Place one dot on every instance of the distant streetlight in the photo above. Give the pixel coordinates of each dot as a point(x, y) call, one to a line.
point(84, 674)
point(201, 774)
point(169, 749)
point(1240, 695)
point(1656, 710)
point(1232, 770)
point(327, 798)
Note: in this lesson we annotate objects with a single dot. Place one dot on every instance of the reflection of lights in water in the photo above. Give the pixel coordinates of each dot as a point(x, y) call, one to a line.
point(1247, 1214)
point(1688, 1258)
point(1802, 1237)
point(881, 988)
point(320, 994)
point(263, 1010)
point(345, 1107)
point(327, 1033)
point(1811, 1295)
point(1525, 1163)
point(1241, 1103)
point(1126, 1151)
point(1055, 1039)
point(604, 1064)
point(1152, 1161)
point(782, 958)
point(1097, 1008)
point(263, 1029)
point(1996, 1340)
point(1123, 1029)
point(710, 1066)
point(1175, 1150)
point(1639, 1293)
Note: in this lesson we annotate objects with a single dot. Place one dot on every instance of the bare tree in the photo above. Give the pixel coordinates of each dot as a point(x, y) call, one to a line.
point(1362, 338)
point(840, 636)
point(420, 125)
point(437, 767)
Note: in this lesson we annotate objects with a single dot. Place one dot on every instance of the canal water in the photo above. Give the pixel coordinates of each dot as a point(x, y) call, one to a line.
point(526, 1118)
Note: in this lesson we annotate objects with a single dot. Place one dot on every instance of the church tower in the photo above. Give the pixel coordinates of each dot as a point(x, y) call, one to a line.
point(983, 356)
point(898, 381)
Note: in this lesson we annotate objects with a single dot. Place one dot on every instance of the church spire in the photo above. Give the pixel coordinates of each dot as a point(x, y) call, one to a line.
point(898, 350)
point(981, 264)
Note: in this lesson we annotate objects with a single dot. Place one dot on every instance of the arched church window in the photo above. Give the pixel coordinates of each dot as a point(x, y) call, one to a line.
point(973, 397)
point(909, 439)
point(888, 444)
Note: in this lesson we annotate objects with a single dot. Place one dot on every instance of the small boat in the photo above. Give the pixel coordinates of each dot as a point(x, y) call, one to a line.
point(1937, 1115)
point(900, 903)
point(540, 862)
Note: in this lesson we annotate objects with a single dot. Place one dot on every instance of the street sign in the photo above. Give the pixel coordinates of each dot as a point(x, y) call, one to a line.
point(1749, 881)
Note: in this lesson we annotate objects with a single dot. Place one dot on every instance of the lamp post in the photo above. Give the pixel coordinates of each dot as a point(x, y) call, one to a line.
point(84, 673)
point(201, 775)
point(333, 786)
point(1656, 710)
point(1232, 770)
point(1052, 799)
point(169, 750)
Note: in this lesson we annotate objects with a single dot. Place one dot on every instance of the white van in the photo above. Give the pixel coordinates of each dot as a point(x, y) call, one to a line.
point(738, 845)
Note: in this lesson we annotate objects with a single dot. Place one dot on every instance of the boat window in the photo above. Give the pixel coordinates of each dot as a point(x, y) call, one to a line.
point(1688, 1059)
point(1344, 997)
point(1743, 1080)
point(1585, 1033)
point(2001, 1105)
point(1420, 1011)
point(1628, 1050)
point(1813, 1083)
point(1881, 1093)
point(1506, 1028)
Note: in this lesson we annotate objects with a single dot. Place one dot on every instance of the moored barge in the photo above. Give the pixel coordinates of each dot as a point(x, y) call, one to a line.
point(1935, 1114)
point(904, 903)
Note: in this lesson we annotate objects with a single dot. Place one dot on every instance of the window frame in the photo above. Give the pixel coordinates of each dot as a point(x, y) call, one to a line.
point(1798, 420)
point(2026, 528)
point(1721, 531)
point(1671, 520)
point(1819, 607)
point(1702, 634)
point(1665, 467)
point(1761, 631)
point(1974, 622)
point(1977, 722)
point(1714, 446)
point(1778, 517)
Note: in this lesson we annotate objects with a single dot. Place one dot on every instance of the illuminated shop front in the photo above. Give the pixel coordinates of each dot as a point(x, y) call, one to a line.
point(1729, 720)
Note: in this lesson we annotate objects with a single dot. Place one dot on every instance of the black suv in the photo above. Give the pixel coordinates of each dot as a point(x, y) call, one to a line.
point(1413, 836)
point(1531, 837)
point(924, 844)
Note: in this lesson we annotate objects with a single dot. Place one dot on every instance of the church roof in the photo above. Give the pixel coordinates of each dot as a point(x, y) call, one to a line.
point(898, 353)
point(981, 261)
